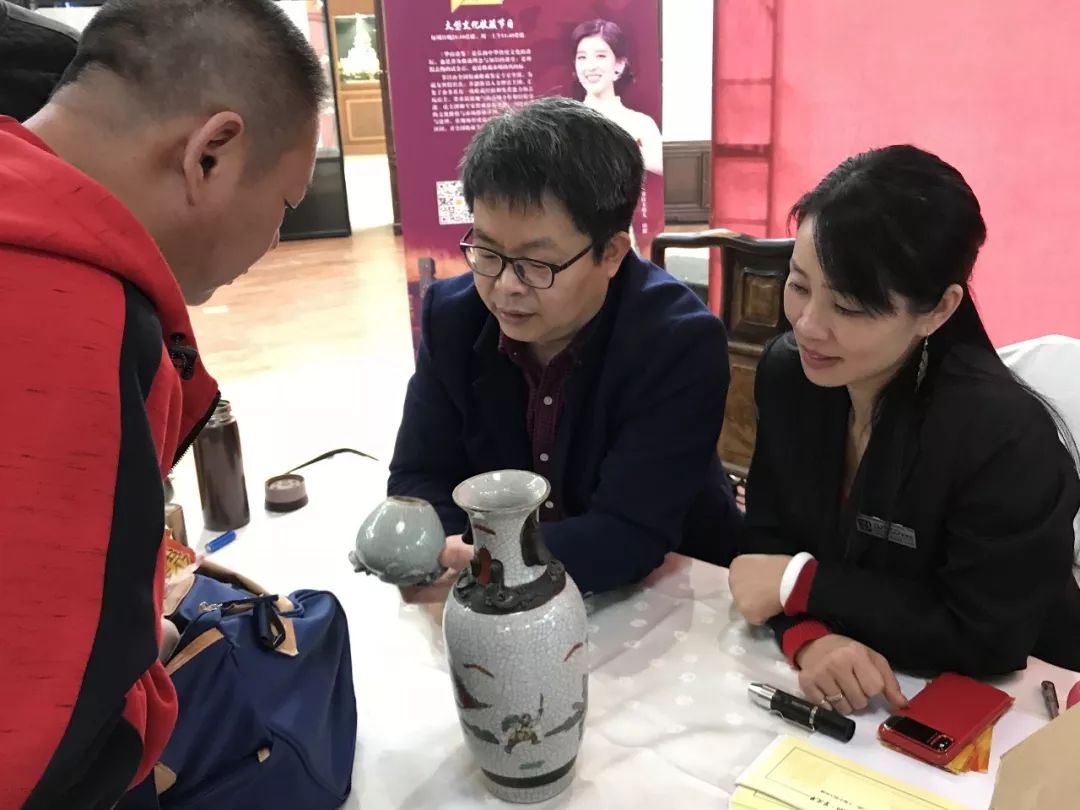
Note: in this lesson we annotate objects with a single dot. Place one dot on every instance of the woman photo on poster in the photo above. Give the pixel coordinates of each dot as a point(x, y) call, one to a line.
point(602, 68)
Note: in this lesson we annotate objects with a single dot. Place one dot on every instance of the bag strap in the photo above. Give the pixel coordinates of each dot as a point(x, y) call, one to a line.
point(209, 568)
point(197, 645)
point(269, 627)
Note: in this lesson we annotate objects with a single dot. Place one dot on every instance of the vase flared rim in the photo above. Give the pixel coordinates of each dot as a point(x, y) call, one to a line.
point(495, 491)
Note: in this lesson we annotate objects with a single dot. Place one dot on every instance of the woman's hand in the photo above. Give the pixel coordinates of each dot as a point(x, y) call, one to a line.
point(840, 672)
point(754, 580)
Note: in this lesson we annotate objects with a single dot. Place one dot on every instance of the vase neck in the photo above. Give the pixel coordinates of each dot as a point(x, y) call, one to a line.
point(510, 543)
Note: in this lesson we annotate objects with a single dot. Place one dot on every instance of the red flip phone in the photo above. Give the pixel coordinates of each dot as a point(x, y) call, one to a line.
point(944, 717)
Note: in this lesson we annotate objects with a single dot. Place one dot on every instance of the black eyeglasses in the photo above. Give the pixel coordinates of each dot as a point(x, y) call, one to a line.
point(531, 272)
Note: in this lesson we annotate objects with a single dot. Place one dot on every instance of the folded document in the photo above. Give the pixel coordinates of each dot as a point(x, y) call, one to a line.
point(792, 774)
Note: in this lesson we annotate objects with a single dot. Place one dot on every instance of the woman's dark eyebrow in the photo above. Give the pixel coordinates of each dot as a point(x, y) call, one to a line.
point(796, 269)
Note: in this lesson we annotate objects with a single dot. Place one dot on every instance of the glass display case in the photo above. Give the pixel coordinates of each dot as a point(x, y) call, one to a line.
point(325, 211)
point(358, 57)
point(355, 51)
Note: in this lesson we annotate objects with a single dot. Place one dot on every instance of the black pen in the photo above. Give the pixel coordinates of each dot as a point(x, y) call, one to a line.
point(802, 712)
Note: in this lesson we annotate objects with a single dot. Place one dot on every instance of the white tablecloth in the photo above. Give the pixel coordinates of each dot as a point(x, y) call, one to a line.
point(669, 721)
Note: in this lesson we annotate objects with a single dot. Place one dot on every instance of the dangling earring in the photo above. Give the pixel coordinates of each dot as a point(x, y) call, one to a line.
point(923, 363)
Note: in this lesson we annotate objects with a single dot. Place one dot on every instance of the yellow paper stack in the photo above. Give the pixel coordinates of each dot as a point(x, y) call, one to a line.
point(792, 774)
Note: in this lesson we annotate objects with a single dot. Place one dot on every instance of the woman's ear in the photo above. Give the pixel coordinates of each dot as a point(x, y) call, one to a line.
point(949, 303)
point(620, 67)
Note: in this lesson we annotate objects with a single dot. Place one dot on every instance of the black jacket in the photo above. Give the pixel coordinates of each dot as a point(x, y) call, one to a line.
point(34, 53)
point(974, 466)
point(635, 465)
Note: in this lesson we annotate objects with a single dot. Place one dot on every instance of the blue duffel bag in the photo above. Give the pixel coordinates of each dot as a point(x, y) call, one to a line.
point(267, 713)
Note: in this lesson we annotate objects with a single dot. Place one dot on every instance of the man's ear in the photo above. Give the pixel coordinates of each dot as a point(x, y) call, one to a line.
point(614, 252)
point(214, 154)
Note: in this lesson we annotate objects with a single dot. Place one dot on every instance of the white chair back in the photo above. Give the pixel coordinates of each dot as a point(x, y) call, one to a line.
point(1051, 366)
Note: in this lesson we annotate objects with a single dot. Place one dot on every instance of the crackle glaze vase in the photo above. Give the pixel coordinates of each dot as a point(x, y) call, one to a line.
point(399, 542)
point(515, 632)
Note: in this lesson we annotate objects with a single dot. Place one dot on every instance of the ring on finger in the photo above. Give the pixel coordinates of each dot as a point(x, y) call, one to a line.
point(834, 698)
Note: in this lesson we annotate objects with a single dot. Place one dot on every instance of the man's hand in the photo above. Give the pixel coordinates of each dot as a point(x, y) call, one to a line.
point(840, 672)
point(754, 580)
point(456, 554)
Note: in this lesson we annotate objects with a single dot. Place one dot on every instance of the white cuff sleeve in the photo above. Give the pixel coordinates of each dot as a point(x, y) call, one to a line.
point(791, 575)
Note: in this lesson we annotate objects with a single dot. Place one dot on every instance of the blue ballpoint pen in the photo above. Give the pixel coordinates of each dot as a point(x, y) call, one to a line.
point(220, 542)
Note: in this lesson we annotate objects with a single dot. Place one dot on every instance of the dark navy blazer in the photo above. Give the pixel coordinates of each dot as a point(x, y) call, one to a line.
point(635, 469)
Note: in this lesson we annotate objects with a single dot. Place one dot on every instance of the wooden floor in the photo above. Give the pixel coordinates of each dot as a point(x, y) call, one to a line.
point(308, 302)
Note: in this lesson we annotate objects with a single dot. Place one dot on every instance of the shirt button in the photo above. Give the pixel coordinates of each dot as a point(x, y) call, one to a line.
point(549, 505)
point(544, 457)
point(548, 400)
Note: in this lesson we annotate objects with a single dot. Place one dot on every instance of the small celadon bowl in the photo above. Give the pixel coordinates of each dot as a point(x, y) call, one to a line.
point(400, 543)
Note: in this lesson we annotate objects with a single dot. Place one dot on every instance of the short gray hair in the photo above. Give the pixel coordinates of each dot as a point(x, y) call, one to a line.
point(206, 56)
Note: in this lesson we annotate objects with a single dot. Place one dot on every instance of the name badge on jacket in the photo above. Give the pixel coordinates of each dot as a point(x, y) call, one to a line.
point(883, 530)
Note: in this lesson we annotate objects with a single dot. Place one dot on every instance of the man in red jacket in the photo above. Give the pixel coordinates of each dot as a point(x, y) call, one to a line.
point(160, 170)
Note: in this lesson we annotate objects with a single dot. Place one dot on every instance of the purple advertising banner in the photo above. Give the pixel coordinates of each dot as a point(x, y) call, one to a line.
point(453, 64)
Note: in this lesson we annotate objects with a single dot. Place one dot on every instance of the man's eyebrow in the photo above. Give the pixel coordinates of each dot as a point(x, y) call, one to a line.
point(533, 244)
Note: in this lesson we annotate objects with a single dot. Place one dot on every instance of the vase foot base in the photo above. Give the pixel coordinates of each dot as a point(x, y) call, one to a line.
point(530, 790)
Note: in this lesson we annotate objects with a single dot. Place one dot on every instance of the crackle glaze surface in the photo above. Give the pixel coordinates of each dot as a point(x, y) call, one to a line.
point(400, 542)
point(520, 678)
point(521, 686)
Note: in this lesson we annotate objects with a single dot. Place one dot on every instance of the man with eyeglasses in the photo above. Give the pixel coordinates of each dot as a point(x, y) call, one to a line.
point(565, 353)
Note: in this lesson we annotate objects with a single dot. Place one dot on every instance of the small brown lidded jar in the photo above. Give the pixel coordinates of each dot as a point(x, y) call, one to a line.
point(286, 493)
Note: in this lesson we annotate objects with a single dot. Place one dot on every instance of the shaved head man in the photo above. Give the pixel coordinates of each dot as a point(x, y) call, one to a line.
point(201, 116)
point(159, 170)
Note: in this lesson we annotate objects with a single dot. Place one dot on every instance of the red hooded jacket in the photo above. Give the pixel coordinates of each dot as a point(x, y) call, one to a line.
point(101, 392)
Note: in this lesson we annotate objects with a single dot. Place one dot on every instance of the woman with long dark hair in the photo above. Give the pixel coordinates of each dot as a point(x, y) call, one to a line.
point(910, 502)
point(602, 67)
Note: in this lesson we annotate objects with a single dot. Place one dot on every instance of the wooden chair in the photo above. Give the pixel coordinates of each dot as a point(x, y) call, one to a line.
point(751, 303)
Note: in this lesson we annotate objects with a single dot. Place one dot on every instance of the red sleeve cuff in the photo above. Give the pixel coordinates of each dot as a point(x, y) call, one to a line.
point(799, 635)
point(799, 601)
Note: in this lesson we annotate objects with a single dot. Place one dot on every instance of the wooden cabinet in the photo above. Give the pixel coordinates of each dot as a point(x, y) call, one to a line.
point(753, 273)
point(363, 131)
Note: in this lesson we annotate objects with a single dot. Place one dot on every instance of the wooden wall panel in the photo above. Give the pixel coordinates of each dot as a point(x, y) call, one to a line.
point(687, 182)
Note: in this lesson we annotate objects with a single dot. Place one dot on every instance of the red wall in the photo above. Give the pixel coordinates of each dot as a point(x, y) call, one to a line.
point(992, 86)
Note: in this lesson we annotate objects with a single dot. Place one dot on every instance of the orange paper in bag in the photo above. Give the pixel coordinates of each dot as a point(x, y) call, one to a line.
point(975, 756)
point(177, 557)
